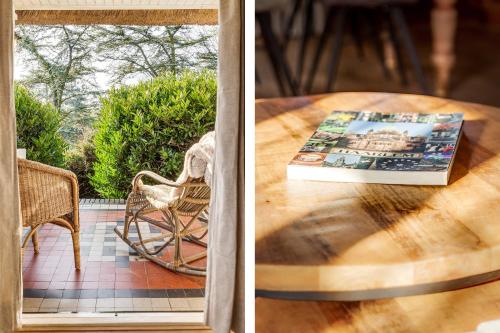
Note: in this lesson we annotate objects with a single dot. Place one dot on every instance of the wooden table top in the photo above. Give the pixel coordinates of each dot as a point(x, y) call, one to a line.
point(357, 241)
point(456, 311)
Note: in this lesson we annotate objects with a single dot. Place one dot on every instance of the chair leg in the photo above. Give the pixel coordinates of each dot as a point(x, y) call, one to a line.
point(306, 34)
point(399, 21)
point(340, 23)
point(319, 50)
point(178, 243)
point(34, 240)
point(374, 29)
point(275, 54)
point(397, 50)
point(357, 35)
point(290, 23)
point(75, 235)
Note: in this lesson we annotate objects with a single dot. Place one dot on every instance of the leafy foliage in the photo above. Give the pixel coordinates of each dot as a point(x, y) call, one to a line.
point(70, 65)
point(80, 160)
point(38, 129)
point(150, 126)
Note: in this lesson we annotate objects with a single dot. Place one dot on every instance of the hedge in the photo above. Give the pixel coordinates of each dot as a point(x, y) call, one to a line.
point(38, 127)
point(150, 126)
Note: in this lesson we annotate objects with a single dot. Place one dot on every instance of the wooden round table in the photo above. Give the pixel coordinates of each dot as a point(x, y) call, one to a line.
point(352, 241)
point(447, 312)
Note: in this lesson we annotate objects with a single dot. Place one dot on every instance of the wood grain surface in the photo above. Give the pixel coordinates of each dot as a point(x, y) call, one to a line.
point(347, 237)
point(448, 312)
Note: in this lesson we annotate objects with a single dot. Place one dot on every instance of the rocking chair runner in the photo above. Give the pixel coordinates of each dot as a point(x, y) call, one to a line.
point(191, 201)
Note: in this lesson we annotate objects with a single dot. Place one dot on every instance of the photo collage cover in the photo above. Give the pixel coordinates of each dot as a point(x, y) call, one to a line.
point(383, 141)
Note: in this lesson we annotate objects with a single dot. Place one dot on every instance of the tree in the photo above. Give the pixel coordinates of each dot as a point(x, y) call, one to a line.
point(62, 63)
point(151, 51)
point(60, 68)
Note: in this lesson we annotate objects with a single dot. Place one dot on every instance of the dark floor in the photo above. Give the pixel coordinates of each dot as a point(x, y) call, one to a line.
point(475, 77)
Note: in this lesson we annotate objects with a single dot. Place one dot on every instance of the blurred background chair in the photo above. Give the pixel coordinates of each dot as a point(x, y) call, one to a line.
point(274, 48)
point(373, 15)
point(442, 47)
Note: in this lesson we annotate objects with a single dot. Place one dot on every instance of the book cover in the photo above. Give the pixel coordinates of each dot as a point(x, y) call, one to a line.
point(374, 141)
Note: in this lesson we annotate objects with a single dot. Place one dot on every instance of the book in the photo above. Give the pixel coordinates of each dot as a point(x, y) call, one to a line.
point(375, 147)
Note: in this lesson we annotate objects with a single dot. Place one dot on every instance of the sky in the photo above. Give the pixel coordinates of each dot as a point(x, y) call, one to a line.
point(414, 129)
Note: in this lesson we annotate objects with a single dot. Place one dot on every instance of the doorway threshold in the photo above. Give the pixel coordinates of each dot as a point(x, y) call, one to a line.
point(113, 322)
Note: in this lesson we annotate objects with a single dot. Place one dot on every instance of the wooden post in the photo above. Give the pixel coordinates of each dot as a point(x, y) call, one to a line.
point(443, 24)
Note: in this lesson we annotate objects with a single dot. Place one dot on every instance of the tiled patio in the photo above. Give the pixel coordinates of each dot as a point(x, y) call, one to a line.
point(112, 277)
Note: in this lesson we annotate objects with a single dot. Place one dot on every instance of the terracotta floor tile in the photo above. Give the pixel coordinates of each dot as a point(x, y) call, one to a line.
point(28, 284)
point(154, 269)
point(105, 277)
point(93, 264)
point(92, 269)
point(50, 264)
point(123, 285)
point(120, 270)
point(106, 284)
point(90, 285)
point(57, 285)
point(143, 284)
point(124, 277)
point(108, 266)
point(60, 277)
point(91, 277)
point(38, 277)
point(41, 285)
point(73, 285)
point(37, 262)
point(157, 284)
point(76, 276)
point(54, 266)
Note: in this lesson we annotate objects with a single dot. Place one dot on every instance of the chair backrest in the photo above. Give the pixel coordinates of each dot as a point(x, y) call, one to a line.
point(194, 198)
point(366, 3)
point(46, 192)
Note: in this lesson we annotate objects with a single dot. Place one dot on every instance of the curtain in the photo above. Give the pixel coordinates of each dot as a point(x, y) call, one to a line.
point(10, 226)
point(224, 303)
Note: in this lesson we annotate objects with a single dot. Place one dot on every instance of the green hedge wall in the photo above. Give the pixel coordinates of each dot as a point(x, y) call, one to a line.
point(38, 127)
point(150, 126)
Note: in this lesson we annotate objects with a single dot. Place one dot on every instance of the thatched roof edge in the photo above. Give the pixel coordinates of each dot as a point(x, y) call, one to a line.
point(117, 17)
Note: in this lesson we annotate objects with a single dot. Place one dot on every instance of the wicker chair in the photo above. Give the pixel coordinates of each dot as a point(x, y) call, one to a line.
point(182, 219)
point(48, 195)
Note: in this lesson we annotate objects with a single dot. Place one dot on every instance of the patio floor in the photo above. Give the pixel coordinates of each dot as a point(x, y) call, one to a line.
point(112, 277)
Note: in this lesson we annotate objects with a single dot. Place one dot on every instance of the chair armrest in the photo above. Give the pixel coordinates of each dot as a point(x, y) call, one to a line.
point(157, 178)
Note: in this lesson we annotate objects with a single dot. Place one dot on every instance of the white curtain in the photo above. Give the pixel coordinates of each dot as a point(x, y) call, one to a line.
point(224, 308)
point(10, 230)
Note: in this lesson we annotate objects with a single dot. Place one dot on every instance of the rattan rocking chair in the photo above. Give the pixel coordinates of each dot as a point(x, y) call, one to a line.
point(48, 195)
point(182, 219)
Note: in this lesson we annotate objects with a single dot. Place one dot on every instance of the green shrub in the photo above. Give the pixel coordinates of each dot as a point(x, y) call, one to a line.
point(149, 127)
point(80, 160)
point(38, 127)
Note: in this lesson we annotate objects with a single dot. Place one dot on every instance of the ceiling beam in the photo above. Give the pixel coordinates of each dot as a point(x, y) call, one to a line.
point(117, 17)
